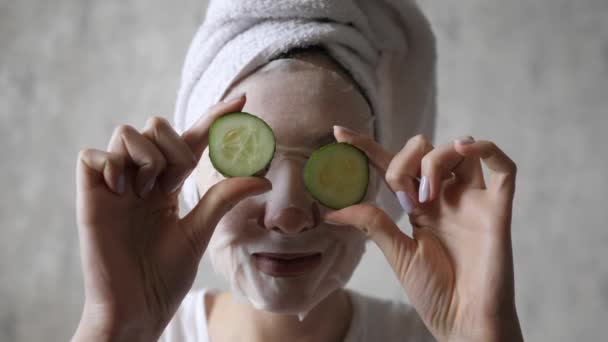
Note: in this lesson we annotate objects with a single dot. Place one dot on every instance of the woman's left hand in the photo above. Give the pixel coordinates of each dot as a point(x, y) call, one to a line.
point(457, 269)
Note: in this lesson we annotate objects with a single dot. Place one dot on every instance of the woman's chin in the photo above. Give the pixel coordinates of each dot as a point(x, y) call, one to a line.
point(292, 295)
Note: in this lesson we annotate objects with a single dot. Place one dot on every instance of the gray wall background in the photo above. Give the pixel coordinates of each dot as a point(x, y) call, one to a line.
point(530, 75)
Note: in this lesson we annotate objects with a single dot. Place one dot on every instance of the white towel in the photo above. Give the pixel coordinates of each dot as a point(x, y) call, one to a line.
point(386, 45)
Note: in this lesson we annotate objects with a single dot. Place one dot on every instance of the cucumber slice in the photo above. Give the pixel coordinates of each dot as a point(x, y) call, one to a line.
point(337, 175)
point(240, 144)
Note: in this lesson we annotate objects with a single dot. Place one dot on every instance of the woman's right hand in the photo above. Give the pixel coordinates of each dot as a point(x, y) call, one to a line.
point(139, 258)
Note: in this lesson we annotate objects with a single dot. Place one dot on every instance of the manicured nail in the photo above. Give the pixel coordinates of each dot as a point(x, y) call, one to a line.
point(334, 222)
point(405, 201)
point(423, 191)
point(465, 140)
point(344, 129)
point(148, 187)
point(120, 185)
point(234, 98)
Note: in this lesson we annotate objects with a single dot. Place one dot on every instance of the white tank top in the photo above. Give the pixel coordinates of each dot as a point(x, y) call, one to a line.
point(374, 319)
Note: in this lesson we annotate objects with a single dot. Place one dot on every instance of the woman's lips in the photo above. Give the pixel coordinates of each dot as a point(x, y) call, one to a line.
point(286, 265)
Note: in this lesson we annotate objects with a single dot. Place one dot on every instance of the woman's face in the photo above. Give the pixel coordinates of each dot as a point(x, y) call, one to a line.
point(273, 248)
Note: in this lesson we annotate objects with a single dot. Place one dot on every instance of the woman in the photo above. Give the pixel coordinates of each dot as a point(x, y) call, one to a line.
point(140, 259)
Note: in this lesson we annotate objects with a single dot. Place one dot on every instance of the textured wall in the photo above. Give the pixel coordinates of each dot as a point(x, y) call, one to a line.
point(530, 75)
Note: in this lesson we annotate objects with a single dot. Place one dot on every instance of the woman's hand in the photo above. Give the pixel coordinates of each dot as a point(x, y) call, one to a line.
point(457, 269)
point(139, 258)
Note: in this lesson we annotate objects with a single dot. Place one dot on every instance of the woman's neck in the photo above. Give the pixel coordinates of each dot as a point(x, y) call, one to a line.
point(229, 320)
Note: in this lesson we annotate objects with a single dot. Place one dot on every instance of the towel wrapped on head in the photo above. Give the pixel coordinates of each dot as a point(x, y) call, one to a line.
point(387, 46)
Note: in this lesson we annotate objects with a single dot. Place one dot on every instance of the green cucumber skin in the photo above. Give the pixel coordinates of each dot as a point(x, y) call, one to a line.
point(255, 174)
point(308, 175)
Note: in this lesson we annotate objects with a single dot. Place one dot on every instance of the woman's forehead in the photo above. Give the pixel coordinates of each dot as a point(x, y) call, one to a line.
point(302, 104)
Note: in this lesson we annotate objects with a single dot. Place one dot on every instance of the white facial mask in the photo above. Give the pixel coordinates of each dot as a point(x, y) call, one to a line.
point(341, 250)
point(234, 242)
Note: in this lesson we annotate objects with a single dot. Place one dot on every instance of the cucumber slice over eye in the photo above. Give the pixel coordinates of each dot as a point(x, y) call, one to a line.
point(240, 144)
point(337, 175)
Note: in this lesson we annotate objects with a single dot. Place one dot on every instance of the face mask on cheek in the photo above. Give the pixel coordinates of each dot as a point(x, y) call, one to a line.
point(232, 255)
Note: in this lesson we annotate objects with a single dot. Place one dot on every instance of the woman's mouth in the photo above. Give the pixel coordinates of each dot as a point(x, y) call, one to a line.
point(285, 265)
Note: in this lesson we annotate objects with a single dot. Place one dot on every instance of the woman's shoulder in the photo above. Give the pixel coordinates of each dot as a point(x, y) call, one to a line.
point(378, 319)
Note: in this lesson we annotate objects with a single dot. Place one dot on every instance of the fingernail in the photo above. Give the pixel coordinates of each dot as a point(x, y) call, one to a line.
point(405, 201)
point(344, 129)
point(465, 140)
point(235, 97)
point(423, 191)
point(148, 187)
point(120, 185)
point(334, 222)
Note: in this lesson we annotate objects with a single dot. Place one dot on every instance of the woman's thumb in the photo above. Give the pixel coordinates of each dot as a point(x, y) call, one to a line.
point(397, 247)
point(217, 201)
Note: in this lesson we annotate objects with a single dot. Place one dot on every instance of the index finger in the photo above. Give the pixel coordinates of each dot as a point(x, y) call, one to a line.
point(502, 168)
point(379, 157)
point(197, 136)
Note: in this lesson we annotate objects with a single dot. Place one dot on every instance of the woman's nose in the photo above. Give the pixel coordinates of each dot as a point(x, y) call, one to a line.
point(290, 221)
point(289, 208)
